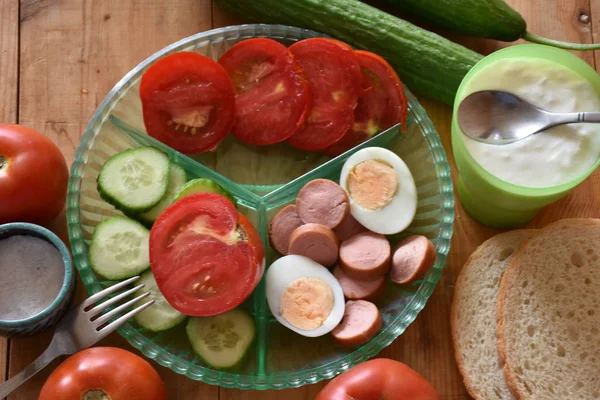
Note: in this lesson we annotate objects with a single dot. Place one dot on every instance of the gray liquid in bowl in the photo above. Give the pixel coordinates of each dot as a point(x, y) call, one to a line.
point(31, 276)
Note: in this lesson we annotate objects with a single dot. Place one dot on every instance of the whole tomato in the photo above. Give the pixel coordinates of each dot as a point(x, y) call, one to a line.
point(102, 373)
point(379, 379)
point(33, 176)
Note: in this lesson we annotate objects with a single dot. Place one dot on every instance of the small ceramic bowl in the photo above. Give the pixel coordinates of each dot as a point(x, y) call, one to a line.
point(53, 312)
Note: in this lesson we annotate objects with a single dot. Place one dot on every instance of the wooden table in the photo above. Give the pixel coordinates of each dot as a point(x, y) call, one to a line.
point(59, 58)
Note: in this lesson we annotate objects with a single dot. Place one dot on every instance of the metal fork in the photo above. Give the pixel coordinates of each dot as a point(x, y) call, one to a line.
point(82, 327)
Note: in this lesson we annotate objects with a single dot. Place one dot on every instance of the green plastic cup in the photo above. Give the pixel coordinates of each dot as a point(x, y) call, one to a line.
point(488, 199)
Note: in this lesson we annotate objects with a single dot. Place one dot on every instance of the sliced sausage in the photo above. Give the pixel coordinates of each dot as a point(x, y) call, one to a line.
point(281, 227)
point(361, 322)
point(412, 258)
point(359, 290)
point(365, 256)
point(348, 228)
point(316, 242)
point(324, 202)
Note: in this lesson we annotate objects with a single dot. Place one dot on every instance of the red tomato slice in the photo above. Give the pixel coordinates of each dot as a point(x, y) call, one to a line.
point(188, 102)
point(381, 105)
point(272, 97)
point(334, 78)
point(206, 257)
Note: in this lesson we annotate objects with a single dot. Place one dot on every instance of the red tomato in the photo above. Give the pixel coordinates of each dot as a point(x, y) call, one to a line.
point(381, 105)
point(335, 79)
point(104, 372)
point(272, 97)
point(188, 102)
point(379, 379)
point(33, 176)
point(206, 257)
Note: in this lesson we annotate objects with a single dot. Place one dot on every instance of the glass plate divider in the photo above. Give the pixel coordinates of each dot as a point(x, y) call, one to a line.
point(283, 194)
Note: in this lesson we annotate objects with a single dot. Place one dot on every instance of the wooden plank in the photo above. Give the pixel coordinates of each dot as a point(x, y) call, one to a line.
point(9, 67)
point(72, 53)
point(593, 19)
point(9, 59)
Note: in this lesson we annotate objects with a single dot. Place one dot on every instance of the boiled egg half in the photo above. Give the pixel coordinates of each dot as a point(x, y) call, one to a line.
point(304, 296)
point(381, 189)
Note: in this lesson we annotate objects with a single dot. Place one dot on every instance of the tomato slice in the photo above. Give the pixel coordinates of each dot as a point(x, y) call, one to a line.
point(334, 78)
point(272, 96)
point(381, 105)
point(206, 257)
point(188, 102)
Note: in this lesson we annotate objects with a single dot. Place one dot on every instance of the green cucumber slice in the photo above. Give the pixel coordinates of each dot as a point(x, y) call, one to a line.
point(223, 340)
point(119, 248)
point(202, 185)
point(160, 316)
point(177, 179)
point(134, 180)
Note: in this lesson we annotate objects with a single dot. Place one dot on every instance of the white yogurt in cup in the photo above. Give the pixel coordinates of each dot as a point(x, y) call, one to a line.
point(555, 156)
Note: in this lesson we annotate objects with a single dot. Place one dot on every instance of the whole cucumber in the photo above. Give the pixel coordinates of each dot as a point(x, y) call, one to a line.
point(492, 19)
point(426, 62)
point(480, 18)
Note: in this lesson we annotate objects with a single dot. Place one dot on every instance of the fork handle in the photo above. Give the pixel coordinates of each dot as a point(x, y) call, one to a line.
point(13, 383)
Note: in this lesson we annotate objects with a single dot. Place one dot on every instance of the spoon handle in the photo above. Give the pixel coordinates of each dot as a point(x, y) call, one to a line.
point(589, 117)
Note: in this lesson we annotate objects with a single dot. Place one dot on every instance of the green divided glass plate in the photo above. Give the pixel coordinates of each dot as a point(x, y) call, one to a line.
point(263, 180)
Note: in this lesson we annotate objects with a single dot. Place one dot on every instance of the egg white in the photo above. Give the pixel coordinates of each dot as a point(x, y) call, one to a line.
point(286, 270)
point(398, 214)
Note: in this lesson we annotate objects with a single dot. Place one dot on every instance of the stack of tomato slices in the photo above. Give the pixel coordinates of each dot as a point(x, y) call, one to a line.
point(317, 95)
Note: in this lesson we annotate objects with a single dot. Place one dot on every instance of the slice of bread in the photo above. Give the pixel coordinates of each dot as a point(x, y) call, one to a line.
point(549, 314)
point(473, 315)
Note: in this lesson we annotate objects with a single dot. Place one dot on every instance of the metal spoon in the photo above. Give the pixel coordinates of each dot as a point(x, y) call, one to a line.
point(496, 117)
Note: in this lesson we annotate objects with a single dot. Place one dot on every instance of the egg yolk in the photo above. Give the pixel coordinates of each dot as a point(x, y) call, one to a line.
point(306, 303)
point(372, 184)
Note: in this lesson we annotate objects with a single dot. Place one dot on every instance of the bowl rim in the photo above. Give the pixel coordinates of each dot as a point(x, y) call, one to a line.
point(312, 374)
point(37, 230)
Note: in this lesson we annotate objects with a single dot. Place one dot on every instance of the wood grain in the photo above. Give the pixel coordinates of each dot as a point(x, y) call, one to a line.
point(72, 52)
point(9, 45)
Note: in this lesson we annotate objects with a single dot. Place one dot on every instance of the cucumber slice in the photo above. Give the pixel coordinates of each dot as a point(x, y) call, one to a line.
point(119, 248)
point(223, 340)
point(160, 316)
point(202, 185)
point(177, 179)
point(134, 180)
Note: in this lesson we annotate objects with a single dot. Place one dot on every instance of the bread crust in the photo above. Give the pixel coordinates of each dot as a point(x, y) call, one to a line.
point(508, 374)
point(459, 287)
point(505, 283)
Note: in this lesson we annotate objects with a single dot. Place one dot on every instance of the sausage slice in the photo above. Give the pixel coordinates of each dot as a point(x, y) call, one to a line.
point(316, 242)
point(365, 256)
point(348, 228)
point(361, 322)
point(281, 227)
point(412, 258)
point(359, 290)
point(324, 202)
